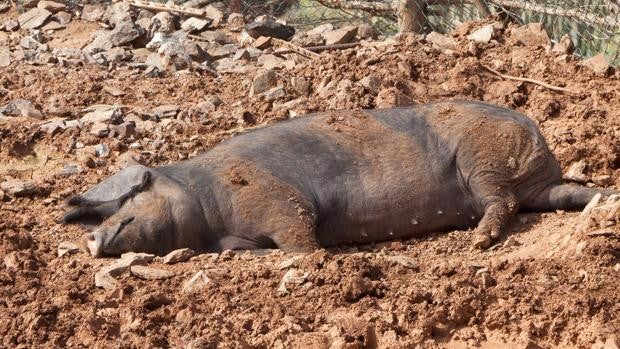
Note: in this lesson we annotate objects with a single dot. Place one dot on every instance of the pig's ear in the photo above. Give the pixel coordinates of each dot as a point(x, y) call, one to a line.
point(106, 198)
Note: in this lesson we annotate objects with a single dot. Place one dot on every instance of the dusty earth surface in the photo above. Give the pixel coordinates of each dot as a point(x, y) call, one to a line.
point(545, 284)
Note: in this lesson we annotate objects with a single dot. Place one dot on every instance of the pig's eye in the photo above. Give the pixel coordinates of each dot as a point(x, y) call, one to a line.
point(126, 221)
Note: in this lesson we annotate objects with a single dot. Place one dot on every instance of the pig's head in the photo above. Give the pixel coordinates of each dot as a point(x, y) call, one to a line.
point(140, 210)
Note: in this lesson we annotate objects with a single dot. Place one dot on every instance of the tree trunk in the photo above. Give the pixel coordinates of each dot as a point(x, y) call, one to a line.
point(411, 15)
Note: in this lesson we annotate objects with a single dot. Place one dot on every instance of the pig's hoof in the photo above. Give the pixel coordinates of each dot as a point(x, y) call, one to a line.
point(482, 241)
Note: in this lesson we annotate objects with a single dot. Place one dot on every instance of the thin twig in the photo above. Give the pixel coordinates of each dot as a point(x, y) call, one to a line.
point(297, 49)
point(532, 81)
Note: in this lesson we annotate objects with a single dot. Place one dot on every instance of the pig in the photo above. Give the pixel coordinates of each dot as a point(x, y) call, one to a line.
point(336, 178)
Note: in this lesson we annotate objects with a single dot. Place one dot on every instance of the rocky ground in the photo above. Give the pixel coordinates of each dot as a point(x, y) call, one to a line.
point(86, 90)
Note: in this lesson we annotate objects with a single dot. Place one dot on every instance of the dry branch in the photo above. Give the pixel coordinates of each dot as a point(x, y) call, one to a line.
point(153, 6)
point(294, 48)
point(532, 81)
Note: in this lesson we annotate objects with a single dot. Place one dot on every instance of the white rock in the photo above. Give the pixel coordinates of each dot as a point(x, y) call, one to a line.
point(292, 277)
point(196, 282)
point(147, 273)
point(67, 248)
point(483, 35)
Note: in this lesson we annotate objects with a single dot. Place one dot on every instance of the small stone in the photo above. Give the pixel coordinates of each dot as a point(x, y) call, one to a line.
point(270, 28)
point(92, 13)
point(533, 34)
point(71, 169)
point(292, 262)
point(102, 151)
point(194, 24)
point(292, 277)
point(301, 86)
point(177, 256)
point(11, 25)
point(51, 6)
point(63, 17)
point(340, 36)
point(34, 18)
point(576, 172)
point(511, 241)
point(371, 83)
point(215, 15)
point(66, 248)
point(29, 43)
point(440, 41)
point(235, 22)
point(241, 54)
point(18, 188)
point(52, 25)
point(392, 97)
point(263, 82)
point(105, 280)
point(137, 257)
point(147, 273)
point(405, 261)
point(564, 46)
point(274, 94)
point(166, 111)
point(599, 64)
point(270, 61)
point(116, 92)
point(482, 35)
point(367, 32)
point(262, 42)
point(196, 282)
point(123, 33)
point(99, 129)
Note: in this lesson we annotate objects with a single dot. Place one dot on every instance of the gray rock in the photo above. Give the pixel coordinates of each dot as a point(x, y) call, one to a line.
point(18, 188)
point(33, 18)
point(482, 35)
point(102, 150)
point(118, 13)
point(194, 24)
point(124, 33)
point(92, 13)
point(147, 273)
point(11, 25)
point(62, 17)
point(263, 82)
point(322, 29)
point(100, 129)
point(52, 25)
point(340, 36)
point(274, 94)
point(21, 107)
point(54, 125)
point(102, 113)
point(219, 52)
point(242, 54)
point(217, 36)
point(29, 43)
point(177, 256)
point(162, 22)
point(301, 86)
point(367, 32)
point(51, 6)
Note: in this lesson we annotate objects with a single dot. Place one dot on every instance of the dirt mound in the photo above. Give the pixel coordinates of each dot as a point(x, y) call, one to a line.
point(546, 283)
